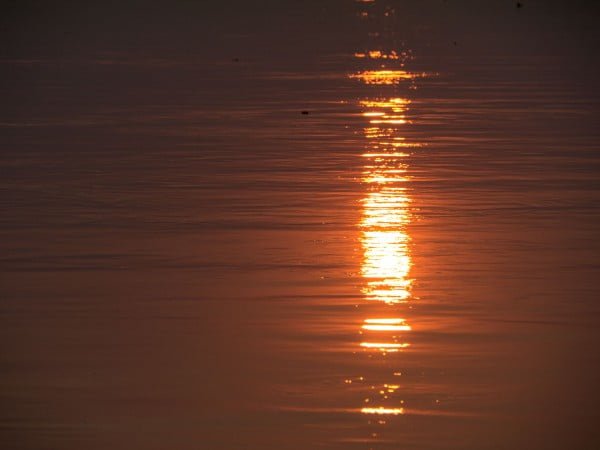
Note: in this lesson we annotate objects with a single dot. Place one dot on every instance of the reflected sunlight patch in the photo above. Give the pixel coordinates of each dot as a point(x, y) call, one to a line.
point(386, 207)
point(378, 54)
point(384, 76)
point(396, 102)
point(383, 411)
point(385, 347)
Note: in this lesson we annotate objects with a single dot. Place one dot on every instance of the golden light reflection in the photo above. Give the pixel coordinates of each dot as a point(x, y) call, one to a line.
point(385, 241)
point(377, 54)
point(390, 321)
point(385, 347)
point(390, 119)
point(386, 103)
point(384, 76)
point(386, 256)
point(383, 411)
point(385, 155)
point(386, 209)
point(385, 327)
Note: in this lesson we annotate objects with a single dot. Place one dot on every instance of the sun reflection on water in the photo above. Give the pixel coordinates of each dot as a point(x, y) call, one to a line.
point(381, 410)
point(383, 76)
point(385, 241)
point(386, 210)
point(377, 54)
point(384, 237)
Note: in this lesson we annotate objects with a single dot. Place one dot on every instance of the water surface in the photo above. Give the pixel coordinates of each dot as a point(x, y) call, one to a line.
point(189, 261)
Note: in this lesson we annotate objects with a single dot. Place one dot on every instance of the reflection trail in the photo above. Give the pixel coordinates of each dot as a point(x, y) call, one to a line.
point(386, 213)
point(386, 262)
point(384, 237)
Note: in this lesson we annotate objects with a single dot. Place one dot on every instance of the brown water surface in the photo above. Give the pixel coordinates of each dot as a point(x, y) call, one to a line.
point(190, 262)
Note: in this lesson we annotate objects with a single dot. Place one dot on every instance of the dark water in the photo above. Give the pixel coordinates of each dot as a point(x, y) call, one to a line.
point(190, 262)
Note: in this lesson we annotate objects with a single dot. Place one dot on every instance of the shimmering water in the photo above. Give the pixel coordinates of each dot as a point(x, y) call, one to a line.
point(189, 261)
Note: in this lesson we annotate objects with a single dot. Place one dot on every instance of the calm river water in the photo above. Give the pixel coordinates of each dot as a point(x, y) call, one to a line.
point(339, 225)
